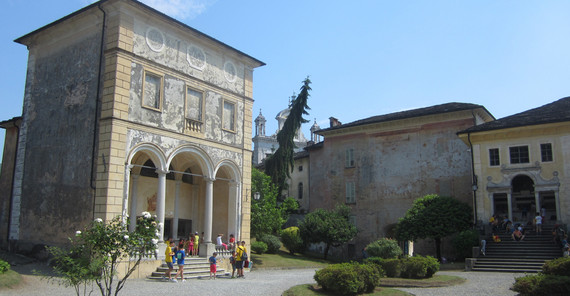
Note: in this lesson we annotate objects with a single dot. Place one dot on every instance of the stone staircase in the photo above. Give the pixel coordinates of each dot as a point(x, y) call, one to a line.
point(524, 256)
point(194, 268)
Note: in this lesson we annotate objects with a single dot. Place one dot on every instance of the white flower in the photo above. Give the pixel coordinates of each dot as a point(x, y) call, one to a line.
point(126, 237)
point(146, 215)
point(99, 220)
point(154, 241)
point(78, 233)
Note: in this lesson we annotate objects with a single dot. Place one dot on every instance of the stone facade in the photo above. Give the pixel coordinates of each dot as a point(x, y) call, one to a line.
point(127, 110)
point(378, 166)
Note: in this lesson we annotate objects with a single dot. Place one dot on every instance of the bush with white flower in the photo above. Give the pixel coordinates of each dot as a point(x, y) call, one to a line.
point(96, 252)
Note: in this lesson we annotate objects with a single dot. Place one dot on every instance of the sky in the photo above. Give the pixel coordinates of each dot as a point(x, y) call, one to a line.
point(364, 58)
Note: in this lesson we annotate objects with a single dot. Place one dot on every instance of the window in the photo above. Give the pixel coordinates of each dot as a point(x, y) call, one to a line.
point(187, 177)
point(300, 168)
point(229, 116)
point(546, 152)
point(350, 192)
point(352, 220)
point(152, 94)
point(193, 104)
point(149, 170)
point(300, 191)
point(519, 154)
point(349, 158)
point(494, 157)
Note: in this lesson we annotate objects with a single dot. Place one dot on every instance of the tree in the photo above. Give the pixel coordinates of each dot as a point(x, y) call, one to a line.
point(266, 216)
point(96, 252)
point(434, 217)
point(331, 227)
point(279, 165)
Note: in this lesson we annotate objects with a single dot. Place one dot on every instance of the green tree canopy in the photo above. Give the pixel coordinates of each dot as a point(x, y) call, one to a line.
point(434, 217)
point(330, 227)
point(279, 165)
point(266, 216)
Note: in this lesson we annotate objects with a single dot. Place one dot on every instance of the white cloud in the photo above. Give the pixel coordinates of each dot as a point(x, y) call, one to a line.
point(180, 9)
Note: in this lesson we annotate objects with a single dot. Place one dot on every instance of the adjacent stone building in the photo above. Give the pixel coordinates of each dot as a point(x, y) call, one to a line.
point(379, 165)
point(128, 110)
point(522, 164)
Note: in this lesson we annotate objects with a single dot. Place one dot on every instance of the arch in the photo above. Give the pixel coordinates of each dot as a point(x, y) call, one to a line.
point(154, 153)
point(233, 169)
point(201, 156)
point(522, 182)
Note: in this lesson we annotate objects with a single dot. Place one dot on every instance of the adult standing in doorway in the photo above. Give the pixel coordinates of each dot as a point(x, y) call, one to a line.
point(196, 243)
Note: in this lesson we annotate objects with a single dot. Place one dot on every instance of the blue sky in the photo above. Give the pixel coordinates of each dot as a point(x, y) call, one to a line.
point(365, 58)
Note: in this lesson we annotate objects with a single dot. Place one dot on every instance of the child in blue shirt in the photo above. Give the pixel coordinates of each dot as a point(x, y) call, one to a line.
point(180, 255)
point(213, 265)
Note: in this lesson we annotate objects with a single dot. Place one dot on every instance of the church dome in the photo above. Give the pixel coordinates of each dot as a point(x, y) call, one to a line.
point(283, 114)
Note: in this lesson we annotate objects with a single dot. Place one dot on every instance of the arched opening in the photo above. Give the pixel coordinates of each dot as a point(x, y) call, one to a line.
point(523, 198)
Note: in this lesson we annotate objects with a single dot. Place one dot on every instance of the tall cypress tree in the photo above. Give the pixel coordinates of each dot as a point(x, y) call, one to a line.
point(279, 165)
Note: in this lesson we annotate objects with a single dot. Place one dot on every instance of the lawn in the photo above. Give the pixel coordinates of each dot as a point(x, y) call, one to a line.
point(313, 290)
point(285, 260)
point(9, 279)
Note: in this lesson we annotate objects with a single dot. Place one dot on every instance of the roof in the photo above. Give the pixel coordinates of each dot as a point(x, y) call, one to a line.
point(142, 5)
point(558, 111)
point(437, 109)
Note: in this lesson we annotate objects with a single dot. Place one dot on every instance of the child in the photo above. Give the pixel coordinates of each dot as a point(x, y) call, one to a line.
point(538, 222)
point(190, 246)
point(180, 255)
point(213, 265)
point(233, 263)
point(169, 254)
point(496, 238)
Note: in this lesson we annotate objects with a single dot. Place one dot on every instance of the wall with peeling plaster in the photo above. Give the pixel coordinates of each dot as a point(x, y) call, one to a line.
point(392, 170)
point(60, 114)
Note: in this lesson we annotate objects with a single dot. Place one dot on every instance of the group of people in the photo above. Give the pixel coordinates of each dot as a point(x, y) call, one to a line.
point(176, 255)
point(560, 237)
point(505, 225)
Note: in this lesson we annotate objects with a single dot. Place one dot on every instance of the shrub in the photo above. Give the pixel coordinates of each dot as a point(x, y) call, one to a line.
point(273, 243)
point(419, 267)
point(464, 241)
point(4, 266)
point(348, 278)
point(560, 266)
point(385, 248)
point(259, 247)
point(542, 285)
point(292, 240)
point(391, 267)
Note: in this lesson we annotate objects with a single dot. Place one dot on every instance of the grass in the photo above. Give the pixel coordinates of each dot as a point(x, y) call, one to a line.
point(285, 260)
point(312, 290)
point(9, 279)
point(435, 281)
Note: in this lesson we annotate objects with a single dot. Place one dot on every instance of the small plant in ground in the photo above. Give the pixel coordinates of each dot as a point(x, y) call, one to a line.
point(419, 267)
point(554, 280)
point(292, 240)
point(392, 267)
point(273, 243)
point(348, 278)
point(384, 248)
point(4, 266)
point(259, 247)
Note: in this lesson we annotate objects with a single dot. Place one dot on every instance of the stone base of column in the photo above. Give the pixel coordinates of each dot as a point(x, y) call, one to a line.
point(206, 249)
point(161, 250)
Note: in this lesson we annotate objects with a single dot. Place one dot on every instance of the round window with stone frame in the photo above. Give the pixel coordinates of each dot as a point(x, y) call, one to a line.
point(155, 39)
point(230, 71)
point(196, 57)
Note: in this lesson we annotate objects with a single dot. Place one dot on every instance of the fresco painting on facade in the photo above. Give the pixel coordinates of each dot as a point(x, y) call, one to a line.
point(162, 140)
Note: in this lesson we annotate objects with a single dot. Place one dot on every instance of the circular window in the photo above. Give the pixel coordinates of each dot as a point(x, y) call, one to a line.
point(196, 57)
point(230, 71)
point(155, 39)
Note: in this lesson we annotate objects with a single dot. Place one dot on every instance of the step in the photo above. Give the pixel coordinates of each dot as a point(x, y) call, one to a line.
point(506, 270)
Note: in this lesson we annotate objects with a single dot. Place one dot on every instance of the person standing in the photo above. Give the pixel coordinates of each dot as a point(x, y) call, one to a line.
point(213, 267)
point(233, 263)
point(538, 223)
point(168, 259)
point(196, 243)
point(180, 255)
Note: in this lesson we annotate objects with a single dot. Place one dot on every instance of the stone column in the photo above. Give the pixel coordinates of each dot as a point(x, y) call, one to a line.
point(133, 197)
point(126, 188)
point(207, 248)
point(176, 205)
point(557, 205)
point(537, 203)
point(161, 201)
point(232, 208)
point(492, 200)
point(510, 205)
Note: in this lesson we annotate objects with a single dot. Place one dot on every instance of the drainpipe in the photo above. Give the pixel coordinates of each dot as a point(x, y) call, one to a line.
point(473, 176)
point(97, 106)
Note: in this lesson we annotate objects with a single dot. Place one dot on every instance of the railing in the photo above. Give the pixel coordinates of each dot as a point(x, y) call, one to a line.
point(221, 250)
point(193, 125)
